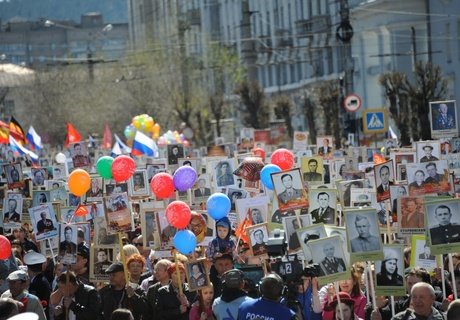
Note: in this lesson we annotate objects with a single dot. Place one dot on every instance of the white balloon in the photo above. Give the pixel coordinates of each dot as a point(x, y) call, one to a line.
point(60, 158)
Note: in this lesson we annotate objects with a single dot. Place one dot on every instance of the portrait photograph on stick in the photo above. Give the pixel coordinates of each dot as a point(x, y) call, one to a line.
point(289, 190)
point(389, 272)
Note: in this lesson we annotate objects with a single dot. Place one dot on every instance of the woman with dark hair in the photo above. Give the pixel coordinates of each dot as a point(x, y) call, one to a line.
point(419, 181)
point(351, 287)
point(388, 275)
point(122, 314)
point(345, 310)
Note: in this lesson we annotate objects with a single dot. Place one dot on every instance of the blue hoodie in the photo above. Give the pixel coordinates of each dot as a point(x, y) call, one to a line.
point(218, 245)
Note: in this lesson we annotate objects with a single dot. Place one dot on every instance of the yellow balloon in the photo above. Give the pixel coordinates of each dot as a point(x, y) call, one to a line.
point(148, 123)
point(156, 130)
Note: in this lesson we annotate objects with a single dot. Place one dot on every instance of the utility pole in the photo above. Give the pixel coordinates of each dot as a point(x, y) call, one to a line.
point(248, 51)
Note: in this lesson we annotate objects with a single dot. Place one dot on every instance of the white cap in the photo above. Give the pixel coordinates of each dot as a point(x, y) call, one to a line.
point(33, 257)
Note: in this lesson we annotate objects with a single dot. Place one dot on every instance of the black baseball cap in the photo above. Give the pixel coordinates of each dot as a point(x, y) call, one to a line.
point(233, 278)
point(115, 267)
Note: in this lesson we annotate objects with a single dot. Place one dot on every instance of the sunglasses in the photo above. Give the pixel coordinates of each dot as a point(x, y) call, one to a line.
point(138, 244)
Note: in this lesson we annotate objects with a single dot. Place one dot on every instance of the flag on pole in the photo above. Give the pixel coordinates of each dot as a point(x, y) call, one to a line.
point(4, 133)
point(378, 158)
point(16, 131)
point(21, 150)
point(91, 142)
point(124, 147)
point(34, 139)
point(142, 144)
point(107, 139)
point(116, 150)
point(72, 135)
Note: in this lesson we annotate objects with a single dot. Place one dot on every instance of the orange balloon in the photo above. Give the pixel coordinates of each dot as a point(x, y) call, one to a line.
point(79, 182)
point(156, 130)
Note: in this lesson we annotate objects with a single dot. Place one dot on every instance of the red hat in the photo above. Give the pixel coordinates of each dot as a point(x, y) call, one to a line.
point(344, 297)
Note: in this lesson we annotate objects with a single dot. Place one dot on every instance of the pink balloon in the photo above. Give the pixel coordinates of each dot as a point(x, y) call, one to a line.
point(178, 214)
point(123, 168)
point(283, 158)
point(162, 185)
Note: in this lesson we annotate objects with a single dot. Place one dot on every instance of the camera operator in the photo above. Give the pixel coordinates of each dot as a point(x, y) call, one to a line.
point(268, 306)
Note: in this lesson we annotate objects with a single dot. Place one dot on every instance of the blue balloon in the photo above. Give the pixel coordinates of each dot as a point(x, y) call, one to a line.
point(218, 205)
point(185, 241)
point(265, 174)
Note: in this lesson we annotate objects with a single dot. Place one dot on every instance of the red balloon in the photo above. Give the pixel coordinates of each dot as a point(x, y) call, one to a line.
point(178, 214)
point(162, 185)
point(5, 248)
point(283, 158)
point(123, 168)
point(259, 152)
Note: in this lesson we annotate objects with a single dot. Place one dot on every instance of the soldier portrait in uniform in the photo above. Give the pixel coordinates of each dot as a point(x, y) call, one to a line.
point(312, 169)
point(79, 155)
point(443, 115)
point(68, 243)
point(322, 206)
point(258, 238)
point(289, 190)
point(363, 231)
point(43, 218)
point(328, 253)
point(428, 151)
point(442, 229)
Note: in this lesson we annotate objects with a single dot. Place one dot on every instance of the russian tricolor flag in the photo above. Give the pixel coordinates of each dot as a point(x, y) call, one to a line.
point(21, 150)
point(142, 144)
point(34, 139)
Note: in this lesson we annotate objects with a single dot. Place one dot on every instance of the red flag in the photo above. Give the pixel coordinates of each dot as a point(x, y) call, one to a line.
point(72, 135)
point(107, 139)
point(16, 131)
point(378, 158)
point(4, 133)
point(240, 232)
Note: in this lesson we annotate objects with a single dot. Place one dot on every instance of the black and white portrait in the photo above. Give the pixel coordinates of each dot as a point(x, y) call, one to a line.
point(12, 210)
point(138, 184)
point(39, 175)
point(384, 178)
point(197, 276)
point(363, 231)
point(96, 190)
point(323, 205)
point(289, 190)
point(328, 253)
point(112, 188)
point(223, 173)
point(312, 169)
point(14, 176)
point(309, 233)
point(291, 224)
point(156, 167)
point(175, 151)
point(390, 270)
point(428, 151)
point(44, 222)
point(59, 171)
point(258, 238)
point(443, 222)
point(68, 243)
point(79, 155)
point(443, 119)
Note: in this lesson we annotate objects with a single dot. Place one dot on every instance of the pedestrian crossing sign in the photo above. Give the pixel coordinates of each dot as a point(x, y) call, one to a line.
point(375, 121)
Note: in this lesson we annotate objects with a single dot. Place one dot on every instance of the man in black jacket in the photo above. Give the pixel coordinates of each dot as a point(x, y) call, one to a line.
point(120, 295)
point(38, 286)
point(82, 300)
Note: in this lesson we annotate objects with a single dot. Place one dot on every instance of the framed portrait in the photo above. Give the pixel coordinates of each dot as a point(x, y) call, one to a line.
point(234, 195)
point(307, 234)
point(14, 176)
point(290, 225)
point(204, 226)
point(323, 203)
point(247, 138)
point(429, 177)
point(96, 191)
point(258, 239)
point(443, 119)
point(312, 169)
point(165, 230)
point(53, 184)
point(421, 255)
point(443, 225)
point(428, 151)
point(73, 200)
point(344, 189)
point(455, 145)
point(79, 155)
point(288, 187)
point(12, 210)
point(102, 237)
point(115, 188)
point(157, 165)
point(411, 215)
point(67, 215)
point(300, 140)
point(148, 211)
point(26, 190)
point(44, 222)
point(222, 173)
point(397, 191)
point(401, 171)
point(192, 162)
point(351, 163)
point(175, 151)
point(325, 145)
point(362, 197)
point(138, 184)
point(100, 259)
point(40, 197)
point(244, 206)
point(45, 247)
point(340, 232)
point(202, 190)
point(59, 195)
point(185, 196)
point(26, 205)
point(384, 178)
point(197, 276)
point(44, 162)
point(68, 243)
point(363, 234)
point(39, 175)
point(389, 272)
point(328, 254)
point(117, 213)
point(59, 171)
